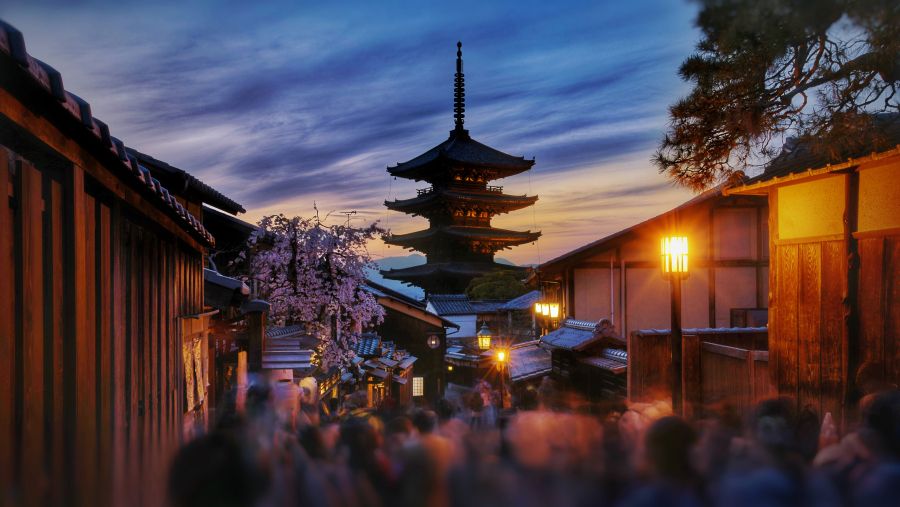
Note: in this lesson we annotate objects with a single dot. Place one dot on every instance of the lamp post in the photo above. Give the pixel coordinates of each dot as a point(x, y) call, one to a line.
point(502, 355)
point(674, 265)
point(433, 342)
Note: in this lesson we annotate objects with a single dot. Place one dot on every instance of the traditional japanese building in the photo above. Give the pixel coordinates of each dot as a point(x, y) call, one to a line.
point(460, 242)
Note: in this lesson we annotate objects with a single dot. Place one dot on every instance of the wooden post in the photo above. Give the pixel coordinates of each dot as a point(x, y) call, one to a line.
point(256, 330)
point(691, 379)
point(675, 344)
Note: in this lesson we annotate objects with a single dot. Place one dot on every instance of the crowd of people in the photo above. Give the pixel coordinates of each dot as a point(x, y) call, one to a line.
point(548, 449)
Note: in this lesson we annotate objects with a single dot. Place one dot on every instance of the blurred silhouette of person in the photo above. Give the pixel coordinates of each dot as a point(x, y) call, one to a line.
point(214, 470)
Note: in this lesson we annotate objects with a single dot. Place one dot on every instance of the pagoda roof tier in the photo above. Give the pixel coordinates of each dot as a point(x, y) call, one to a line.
point(432, 197)
point(425, 273)
point(460, 150)
point(503, 237)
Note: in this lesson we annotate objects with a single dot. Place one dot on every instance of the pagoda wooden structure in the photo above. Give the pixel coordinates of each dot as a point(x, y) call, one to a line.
point(460, 242)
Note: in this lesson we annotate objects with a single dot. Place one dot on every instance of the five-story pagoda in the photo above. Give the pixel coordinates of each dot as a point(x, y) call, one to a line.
point(459, 243)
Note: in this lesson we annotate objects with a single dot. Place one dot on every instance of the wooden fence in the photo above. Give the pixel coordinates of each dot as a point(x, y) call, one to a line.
point(720, 367)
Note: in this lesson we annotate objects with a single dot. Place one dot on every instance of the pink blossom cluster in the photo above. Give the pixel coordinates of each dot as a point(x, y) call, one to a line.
point(314, 274)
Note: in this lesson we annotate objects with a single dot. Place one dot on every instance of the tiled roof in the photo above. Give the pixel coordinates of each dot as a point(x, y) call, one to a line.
point(188, 181)
point(460, 149)
point(221, 291)
point(49, 81)
point(284, 331)
point(503, 202)
point(287, 359)
point(605, 363)
point(798, 156)
point(572, 335)
point(524, 302)
point(369, 345)
point(511, 238)
point(451, 304)
point(435, 269)
point(488, 305)
point(528, 360)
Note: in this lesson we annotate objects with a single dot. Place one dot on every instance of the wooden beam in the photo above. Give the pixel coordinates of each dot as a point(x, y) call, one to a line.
point(46, 132)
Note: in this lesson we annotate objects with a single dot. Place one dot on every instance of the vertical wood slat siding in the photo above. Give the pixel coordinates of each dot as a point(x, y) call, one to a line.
point(834, 288)
point(784, 345)
point(119, 393)
point(86, 362)
point(806, 323)
point(32, 340)
point(91, 380)
point(879, 317)
point(56, 376)
point(892, 303)
point(7, 325)
point(105, 386)
point(871, 304)
point(809, 320)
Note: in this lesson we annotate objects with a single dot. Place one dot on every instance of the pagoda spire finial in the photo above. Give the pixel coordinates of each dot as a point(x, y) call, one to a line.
point(459, 91)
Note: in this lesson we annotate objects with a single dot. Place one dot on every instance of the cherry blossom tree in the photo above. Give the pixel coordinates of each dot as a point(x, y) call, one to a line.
point(314, 274)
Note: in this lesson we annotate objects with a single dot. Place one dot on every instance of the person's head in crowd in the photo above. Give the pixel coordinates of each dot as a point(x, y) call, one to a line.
point(259, 399)
point(881, 417)
point(424, 421)
point(444, 409)
point(668, 445)
point(310, 438)
point(213, 470)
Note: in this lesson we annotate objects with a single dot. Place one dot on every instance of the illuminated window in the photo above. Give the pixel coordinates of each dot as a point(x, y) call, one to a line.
point(418, 386)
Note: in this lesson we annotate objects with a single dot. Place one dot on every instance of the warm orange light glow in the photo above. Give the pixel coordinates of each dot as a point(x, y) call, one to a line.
point(554, 310)
point(484, 338)
point(537, 308)
point(545, 309)
point(449, 367)
point(674, 255)
point(501, 356)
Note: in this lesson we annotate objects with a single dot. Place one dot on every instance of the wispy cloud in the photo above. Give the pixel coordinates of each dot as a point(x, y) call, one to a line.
point(280, 105)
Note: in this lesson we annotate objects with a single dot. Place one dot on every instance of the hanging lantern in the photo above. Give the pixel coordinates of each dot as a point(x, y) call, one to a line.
point(554, 310)
point(537, 308)
point(434, 341)
point(674, 256)
point(484, 337)
point(502, 356)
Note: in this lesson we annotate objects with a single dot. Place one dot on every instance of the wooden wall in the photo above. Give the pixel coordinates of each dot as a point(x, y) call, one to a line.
point(91, 382)
point(806, 321)
point(835, 306)
point(619, 279)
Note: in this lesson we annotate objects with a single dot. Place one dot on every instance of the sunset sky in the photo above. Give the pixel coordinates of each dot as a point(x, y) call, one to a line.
point(283, 105)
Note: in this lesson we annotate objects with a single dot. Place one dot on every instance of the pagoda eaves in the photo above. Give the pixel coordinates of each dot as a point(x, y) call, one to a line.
point(459, 243)
point(453, 159)
point(472, 204)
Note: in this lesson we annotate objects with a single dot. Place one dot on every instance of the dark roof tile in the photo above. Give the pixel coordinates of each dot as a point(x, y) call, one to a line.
point(43, 76)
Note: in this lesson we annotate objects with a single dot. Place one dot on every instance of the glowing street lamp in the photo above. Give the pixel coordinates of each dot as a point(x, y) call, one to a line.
point(484, 337)
point(674, 256)
point(673, 253)
point(502, 356)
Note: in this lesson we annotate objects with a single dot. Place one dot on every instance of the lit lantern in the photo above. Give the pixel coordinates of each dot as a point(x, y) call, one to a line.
point(449, 367)
point(554, 310)
point(674, 256)
point(502, 356)
point(433, 341)
point(484, 337)
point(537, 308)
